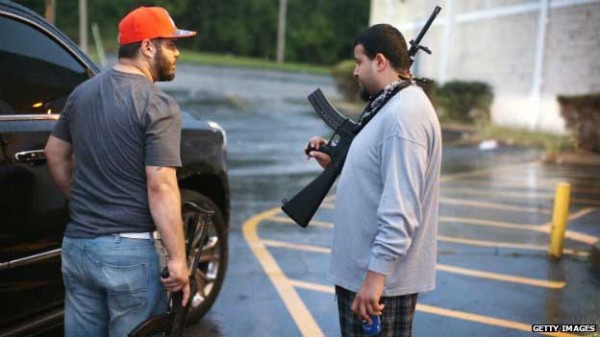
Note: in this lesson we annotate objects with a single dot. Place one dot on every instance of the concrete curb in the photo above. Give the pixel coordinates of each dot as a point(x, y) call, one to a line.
point(595, 257)
point(577, 158)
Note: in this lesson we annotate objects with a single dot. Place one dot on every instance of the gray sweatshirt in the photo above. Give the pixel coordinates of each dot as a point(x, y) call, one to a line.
point(386, 209)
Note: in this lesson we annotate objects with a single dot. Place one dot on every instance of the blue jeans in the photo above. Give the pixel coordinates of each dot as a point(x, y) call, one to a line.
point(111, 285)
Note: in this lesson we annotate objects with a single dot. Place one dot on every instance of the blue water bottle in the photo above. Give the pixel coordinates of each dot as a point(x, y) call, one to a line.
point(374, 328)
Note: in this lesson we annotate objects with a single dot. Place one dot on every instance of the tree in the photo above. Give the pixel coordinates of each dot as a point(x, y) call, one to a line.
point(318, 31)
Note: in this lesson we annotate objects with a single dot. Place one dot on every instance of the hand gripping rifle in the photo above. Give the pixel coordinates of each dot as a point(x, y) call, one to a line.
point(173, 321)
point(303, 205)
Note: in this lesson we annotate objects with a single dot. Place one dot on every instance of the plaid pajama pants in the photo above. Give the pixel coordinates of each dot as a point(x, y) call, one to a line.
point(396, 320)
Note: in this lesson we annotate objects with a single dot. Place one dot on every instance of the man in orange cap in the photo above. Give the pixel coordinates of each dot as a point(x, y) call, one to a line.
point(125, 135)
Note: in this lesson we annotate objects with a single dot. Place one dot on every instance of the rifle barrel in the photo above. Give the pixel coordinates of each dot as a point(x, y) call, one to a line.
point(415, 43)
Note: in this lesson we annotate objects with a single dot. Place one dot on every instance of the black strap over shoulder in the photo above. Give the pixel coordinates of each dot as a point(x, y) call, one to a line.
point(371, 110)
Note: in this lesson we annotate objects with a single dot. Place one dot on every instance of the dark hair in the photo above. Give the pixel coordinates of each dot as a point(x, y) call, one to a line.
point(386, 40)
point(131, 50)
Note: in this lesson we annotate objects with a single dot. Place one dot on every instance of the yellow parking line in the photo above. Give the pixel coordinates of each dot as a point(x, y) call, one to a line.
point(494, 244)
point(296, 246)
point(503, 323)
point(303, 318)
point(573, 235)
point(491, 205)
point(312, 286)
point(312, 222)
point(294, 304)
point(519, 195)
point(480, 243)
point(502, 183)
point(544, 228)
point(512, 183)
point(502, 277)
point(490, 223)
point(442, 267)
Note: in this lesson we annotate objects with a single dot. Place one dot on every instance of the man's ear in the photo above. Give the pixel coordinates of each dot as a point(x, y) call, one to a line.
point(147, 48)
point(381, 62)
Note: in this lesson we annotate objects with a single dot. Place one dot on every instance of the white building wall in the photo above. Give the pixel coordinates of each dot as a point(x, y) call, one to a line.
point(496, 41)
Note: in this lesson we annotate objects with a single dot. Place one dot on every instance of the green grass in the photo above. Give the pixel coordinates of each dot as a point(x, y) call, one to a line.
point(248, 62)
point(194, 57)
point(548, 141)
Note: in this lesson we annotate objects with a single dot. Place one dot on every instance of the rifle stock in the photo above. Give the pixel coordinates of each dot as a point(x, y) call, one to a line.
point(303, 205)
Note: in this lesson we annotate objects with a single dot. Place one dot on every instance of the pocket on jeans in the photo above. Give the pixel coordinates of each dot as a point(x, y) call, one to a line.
point(124, 279)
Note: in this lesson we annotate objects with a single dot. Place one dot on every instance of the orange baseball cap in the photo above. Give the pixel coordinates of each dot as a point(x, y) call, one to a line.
point(149, 23)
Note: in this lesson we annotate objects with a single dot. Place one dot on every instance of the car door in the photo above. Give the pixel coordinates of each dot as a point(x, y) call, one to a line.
point(39, 67)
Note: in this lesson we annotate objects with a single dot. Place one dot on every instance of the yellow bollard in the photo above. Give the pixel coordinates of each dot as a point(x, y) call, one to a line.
point(559, 219)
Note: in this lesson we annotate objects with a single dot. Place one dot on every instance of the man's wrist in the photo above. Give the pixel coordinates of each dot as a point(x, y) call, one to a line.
point(381, 266)
point(177, 258)
point(373, 276)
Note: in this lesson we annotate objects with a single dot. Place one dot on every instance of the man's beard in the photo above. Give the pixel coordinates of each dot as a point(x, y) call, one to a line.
point(364, 94)
point(163, 67)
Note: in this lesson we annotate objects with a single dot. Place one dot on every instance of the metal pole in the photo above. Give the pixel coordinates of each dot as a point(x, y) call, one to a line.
point(281, 31)
point(446, 42)
point(99, 44)
point(50, 11)
point(538, 70)
point(559, 219)
point(83, 24)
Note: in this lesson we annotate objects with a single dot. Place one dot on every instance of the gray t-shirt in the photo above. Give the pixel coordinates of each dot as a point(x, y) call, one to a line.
point(117, 123)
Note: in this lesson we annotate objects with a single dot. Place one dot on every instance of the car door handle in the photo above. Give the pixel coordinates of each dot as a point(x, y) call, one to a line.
point(30, 156)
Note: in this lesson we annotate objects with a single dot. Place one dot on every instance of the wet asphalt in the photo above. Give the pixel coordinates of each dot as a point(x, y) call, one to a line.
point(494, 277)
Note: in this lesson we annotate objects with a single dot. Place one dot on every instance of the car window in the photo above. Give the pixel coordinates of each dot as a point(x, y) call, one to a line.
point(36, 72)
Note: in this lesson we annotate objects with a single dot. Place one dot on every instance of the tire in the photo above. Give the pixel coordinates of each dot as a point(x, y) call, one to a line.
point(210, 272)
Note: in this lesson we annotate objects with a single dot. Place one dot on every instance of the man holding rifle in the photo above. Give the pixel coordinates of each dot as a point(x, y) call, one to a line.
point(384, 244)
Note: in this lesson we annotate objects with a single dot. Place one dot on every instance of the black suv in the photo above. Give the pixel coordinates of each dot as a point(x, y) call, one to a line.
point(39, 67)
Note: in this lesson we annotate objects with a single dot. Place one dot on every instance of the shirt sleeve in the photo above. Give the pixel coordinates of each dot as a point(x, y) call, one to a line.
point(163, 133)
point(61, 128)
point(403, 165)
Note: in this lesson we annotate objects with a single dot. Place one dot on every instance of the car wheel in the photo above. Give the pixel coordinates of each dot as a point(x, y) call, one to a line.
point(210, 270)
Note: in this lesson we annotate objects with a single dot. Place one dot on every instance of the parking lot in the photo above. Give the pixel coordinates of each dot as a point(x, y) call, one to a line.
point(494, 276)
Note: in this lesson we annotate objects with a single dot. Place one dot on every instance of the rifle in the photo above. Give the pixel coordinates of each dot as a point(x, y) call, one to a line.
point(303, 206)
point(173, 321)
